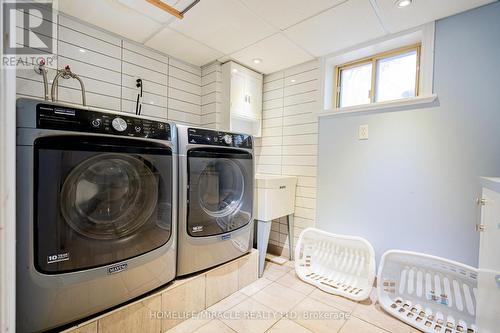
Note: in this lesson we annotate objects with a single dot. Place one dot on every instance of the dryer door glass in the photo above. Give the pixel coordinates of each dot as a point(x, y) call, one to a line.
point(99, 201)
point(220, 195)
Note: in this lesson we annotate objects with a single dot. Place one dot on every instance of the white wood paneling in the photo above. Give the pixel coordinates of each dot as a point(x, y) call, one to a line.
point(147, 98)
point(211, 81)
point(82, 28)
point(88, 42)
point(184, 75)
point(175, 104)
point(272, 113)
point(271, 131)
point(272, 104)
point(184, 85)
point(144, 61)
point(144, 73)
point(185, 96)
point(129, 81)
point(184, 117)
point(90, 70)
point(272, 85)
point(272, 122)
point(196, 70)
point(110, 66)
point(289, 141)
point(300, 150)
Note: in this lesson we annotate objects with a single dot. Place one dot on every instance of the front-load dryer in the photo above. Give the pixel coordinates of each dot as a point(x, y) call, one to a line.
point(96, 210)
point(216, 185)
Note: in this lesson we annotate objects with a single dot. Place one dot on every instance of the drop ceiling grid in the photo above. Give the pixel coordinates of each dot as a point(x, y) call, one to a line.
point(243, 29)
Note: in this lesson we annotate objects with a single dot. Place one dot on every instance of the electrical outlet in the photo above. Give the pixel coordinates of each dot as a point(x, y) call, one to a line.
point(363, 132)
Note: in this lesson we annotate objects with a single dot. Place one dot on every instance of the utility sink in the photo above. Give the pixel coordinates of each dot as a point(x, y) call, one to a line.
point(275, 196)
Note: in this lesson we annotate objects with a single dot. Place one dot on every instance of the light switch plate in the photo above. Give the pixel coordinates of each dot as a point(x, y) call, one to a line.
point(363, 132)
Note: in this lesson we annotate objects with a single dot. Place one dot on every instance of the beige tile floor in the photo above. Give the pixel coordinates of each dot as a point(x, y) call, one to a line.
point(281, 303)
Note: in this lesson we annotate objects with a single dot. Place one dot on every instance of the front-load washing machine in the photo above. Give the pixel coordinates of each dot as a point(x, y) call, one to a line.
point(216, 180)
point(96, 210)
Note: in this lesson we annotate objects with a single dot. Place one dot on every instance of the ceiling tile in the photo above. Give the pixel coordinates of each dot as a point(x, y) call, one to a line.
point(422, 11)
point(284, 13)
point(175, 44)
point(345, 25)
point(181, 4)
point(276, 52)
point(226, 25)
point(112, 16)
point(145, 8)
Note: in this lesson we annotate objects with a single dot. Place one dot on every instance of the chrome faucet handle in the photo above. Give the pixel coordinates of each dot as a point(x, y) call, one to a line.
point(66, 73)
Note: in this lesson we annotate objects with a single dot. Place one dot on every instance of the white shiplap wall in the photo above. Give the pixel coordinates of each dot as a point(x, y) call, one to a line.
point(211, 88)
point(109, 66)
point(289, 142)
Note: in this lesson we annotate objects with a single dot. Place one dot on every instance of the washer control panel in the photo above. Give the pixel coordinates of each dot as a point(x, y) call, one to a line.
point(71, 119)
point(216, 138)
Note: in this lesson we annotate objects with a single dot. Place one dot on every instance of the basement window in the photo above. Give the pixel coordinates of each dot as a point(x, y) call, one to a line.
point(383, 77)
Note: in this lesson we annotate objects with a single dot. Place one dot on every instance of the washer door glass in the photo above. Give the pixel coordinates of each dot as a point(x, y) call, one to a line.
point(99, 201)
point(220, 191)
point(109, 196)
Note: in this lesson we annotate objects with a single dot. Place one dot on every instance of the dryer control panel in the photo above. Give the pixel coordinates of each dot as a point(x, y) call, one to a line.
point(78, 120)
point(216, 138)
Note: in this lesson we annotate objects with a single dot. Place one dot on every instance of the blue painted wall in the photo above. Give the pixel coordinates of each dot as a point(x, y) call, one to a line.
point(414, 183)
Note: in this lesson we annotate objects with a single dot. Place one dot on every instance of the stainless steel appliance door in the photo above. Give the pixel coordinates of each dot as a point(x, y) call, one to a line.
point(220, 197)
point(99, 200)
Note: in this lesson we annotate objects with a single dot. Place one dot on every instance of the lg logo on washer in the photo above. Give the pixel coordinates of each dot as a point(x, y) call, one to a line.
point(117, 268)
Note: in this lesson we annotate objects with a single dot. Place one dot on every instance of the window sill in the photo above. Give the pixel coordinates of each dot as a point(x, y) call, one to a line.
point(381, 107)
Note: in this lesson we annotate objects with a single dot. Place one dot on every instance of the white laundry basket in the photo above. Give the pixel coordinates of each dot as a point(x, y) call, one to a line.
point(430, 293)
point(337, 264)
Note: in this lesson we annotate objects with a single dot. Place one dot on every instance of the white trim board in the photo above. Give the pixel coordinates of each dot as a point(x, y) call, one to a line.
point(7, 192)
point(379, 107)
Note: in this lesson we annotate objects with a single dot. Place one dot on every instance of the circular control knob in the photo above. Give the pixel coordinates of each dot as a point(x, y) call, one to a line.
point(96, 123)
point(228, 139)
point(119, 124)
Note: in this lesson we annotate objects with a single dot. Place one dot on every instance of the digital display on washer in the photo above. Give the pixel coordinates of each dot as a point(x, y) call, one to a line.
point(216, 138)
point(79, 120)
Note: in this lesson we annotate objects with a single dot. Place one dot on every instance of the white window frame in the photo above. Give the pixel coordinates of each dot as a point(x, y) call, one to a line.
point(423, 35)
point(373, 60)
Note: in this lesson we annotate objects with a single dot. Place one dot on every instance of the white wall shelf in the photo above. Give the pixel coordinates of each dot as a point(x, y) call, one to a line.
point(380, 107)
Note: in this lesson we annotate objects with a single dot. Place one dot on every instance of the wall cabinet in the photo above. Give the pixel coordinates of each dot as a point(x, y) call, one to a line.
point(241, 107)
point(488, 282)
